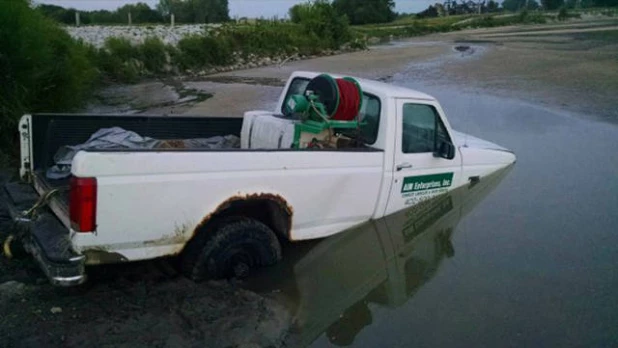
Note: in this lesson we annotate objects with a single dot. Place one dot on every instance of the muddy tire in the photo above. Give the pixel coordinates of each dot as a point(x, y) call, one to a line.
point(230, 248)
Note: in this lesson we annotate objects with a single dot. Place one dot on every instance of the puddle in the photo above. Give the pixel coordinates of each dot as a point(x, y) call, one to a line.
point(332, 287)
point(430, 71)
point(406, 43)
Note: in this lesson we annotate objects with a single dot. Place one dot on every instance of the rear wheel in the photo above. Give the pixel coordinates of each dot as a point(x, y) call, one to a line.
point(233, 247)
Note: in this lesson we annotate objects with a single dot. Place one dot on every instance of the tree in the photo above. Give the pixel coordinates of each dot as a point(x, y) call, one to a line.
point(517, 5)
point(41, 68)
point(606, 3)
point(366, 11)
point(321, 20)
point(165, 7)
point(298, 11)
point(195, 11)
point(552, 4)
point(430, 12)
point(492, 6)
point(140, 13)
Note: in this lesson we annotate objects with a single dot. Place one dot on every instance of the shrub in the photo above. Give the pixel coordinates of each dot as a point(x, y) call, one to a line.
point(564, 14)
point(263, 38)
point(153, 53)
point(198, 51)
point(122, 61)
point(119, 60)
point(321, 20)
point(42, 69)
point(122, 48)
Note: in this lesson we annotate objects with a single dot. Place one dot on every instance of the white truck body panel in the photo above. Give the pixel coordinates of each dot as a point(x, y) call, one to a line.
point(165, 197)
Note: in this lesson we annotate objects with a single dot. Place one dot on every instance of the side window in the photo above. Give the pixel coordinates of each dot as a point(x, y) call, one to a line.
point(422, 129)
point(297, 86)
point(370, 115)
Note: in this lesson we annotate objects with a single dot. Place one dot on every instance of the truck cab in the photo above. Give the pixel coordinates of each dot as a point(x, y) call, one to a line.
point(424, 156)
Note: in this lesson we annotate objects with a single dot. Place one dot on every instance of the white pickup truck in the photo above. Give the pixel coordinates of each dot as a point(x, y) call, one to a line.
point(224, 211)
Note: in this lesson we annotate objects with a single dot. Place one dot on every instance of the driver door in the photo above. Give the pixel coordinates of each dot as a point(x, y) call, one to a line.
point(419, 172)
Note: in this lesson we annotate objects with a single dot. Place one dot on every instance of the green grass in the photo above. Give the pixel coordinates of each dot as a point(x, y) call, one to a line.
point(609, 36)
point(120, 60)
point(437, 21)
point(409, 27)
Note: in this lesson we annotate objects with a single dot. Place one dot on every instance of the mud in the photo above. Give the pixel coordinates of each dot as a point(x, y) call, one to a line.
point(261, 81)
point(271, 209)
point(139, 304)
point(167, 96)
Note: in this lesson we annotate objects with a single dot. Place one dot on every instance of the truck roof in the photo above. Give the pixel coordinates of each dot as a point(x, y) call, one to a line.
point(373, 86)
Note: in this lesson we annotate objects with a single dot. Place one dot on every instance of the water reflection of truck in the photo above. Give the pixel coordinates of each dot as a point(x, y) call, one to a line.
point(384, 262)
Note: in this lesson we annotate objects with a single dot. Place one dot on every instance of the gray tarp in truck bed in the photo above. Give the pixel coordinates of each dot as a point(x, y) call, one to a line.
point(51, 131)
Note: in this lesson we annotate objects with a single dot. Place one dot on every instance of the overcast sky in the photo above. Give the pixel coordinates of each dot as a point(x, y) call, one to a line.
point(238, 8)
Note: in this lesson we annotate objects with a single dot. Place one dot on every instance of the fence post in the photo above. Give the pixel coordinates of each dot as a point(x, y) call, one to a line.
point(77, 19)
point(130, 21)
point(172, 20)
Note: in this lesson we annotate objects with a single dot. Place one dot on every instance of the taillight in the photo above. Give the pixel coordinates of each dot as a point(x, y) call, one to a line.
point(83, 204)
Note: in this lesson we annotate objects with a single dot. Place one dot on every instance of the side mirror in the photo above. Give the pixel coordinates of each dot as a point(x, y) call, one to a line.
point(445, 150)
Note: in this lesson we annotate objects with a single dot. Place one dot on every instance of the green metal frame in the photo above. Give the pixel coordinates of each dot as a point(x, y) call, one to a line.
point(315, 127)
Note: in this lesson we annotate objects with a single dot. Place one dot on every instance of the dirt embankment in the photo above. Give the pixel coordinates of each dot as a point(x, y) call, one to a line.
point(143, 304)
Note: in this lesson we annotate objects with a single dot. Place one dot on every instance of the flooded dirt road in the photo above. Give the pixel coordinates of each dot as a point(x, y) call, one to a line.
point(534, 264)
point(528, 261)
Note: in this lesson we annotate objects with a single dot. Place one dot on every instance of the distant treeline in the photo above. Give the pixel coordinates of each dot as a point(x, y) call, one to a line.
point(185, 11)
point(357, 12)
point(214, 11)
point(454, 7)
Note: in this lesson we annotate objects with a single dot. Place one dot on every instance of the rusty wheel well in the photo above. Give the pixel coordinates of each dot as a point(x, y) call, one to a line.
point(271, 210)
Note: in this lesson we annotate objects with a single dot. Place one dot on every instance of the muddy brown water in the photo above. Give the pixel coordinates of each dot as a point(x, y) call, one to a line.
point(534, 263)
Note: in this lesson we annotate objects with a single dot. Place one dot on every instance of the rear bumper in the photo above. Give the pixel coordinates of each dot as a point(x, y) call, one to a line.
point(45, 238)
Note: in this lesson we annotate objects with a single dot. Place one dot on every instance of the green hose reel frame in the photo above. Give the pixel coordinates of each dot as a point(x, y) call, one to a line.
point(314, 117)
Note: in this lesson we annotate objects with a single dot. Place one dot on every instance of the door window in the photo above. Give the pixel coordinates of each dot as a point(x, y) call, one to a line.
point(422, 129)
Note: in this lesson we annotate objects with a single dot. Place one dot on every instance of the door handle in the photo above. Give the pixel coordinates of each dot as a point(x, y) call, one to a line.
point(403, 165)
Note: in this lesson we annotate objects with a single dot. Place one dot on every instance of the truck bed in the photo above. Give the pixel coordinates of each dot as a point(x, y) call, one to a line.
point(59, 200)
point(51, 131)
point(61, 185)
